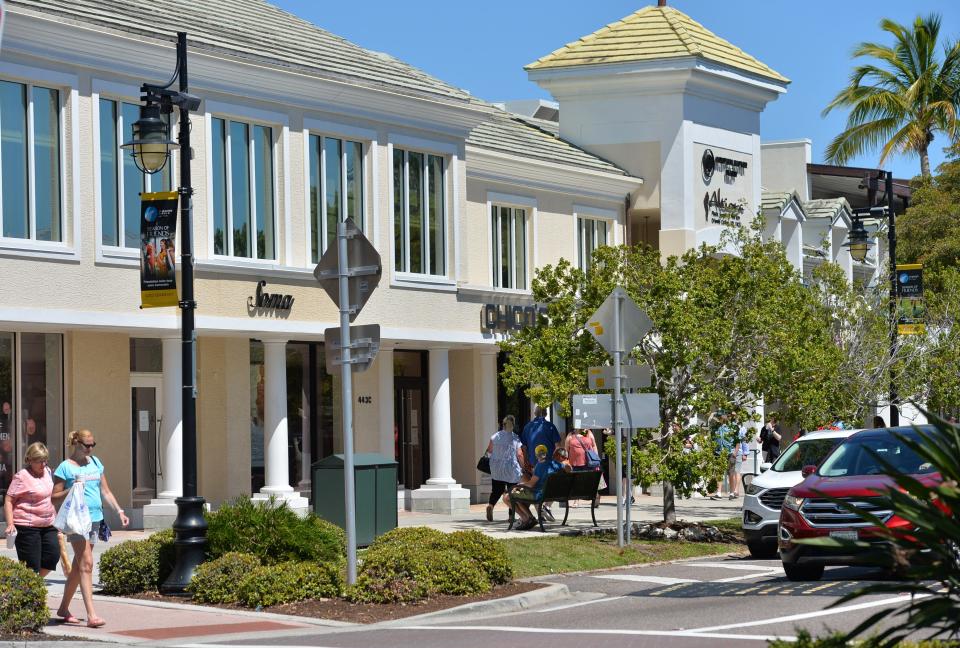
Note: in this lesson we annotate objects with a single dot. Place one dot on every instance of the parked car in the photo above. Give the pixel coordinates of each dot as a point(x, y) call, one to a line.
point(764, 496)
point(853, 473)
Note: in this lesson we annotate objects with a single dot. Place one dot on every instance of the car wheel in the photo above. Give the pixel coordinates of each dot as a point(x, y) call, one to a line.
point(803, 572)
point(762, 550)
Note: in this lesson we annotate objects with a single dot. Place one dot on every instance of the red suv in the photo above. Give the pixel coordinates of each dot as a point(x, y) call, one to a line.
point(851, 473)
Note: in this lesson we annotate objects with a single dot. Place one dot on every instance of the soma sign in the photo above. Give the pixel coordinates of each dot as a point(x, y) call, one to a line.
point(264, 301)
point(504, 317)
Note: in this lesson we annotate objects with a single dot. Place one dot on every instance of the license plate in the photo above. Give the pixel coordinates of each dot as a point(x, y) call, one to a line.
point(844, 535)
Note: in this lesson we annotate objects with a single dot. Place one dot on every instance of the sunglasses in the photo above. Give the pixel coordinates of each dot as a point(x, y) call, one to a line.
point(89, 445)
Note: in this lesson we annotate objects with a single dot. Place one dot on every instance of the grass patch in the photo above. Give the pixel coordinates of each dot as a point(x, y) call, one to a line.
point(561, 554)
point(729, 525)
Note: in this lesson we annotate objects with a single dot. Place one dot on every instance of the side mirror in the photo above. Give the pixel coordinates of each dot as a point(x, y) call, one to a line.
point(807, 471)
point(764, 467)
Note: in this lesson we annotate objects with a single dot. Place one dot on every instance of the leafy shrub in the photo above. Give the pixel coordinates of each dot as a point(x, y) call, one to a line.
point(273, 533)
point(405, 572)
point(216, 581)
point(289, 582)
point(488, 553)
point(23, 599)
point(416, 536)
point(137, 565)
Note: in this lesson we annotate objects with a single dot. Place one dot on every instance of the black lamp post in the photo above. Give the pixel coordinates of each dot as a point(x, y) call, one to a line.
point(859, 243)
point(151, 148)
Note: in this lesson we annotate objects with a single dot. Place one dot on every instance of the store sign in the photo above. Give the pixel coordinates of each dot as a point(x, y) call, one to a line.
point(505, 318)
point(911, 311)
point(263, 302)
point(725, 185)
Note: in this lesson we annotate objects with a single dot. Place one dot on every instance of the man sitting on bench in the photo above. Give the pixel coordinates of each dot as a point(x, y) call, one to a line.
point(530, 491)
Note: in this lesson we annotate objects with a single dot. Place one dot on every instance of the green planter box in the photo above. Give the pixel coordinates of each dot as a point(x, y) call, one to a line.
point(375, 490)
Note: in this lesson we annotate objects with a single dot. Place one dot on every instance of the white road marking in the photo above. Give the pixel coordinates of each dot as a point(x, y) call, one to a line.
point(637, 578)
point(605, 631)
point(810, 615)
point(737, 566)
point(772, 572)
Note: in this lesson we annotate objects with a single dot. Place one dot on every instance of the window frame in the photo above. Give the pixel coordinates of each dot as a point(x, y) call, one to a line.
point(367, 138)
point(251, 117)
point(120, 93)
point(596, 215)
point(529, 208)
point(67, 100)
point(449, 154)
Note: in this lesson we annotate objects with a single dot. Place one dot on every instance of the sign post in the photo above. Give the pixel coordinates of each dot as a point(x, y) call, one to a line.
point(350, 289)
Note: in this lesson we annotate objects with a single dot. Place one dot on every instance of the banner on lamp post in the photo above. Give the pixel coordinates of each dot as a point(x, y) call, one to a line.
point(158, 232)
point(911, 311)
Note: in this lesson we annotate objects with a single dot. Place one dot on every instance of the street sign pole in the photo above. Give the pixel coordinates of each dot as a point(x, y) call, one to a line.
point(629, 496)
point(346, 390)
point(617, 401)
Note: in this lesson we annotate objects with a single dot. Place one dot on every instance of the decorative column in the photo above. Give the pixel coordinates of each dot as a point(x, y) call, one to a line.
point(441, 494)
point(275, 437)
point(160, 512)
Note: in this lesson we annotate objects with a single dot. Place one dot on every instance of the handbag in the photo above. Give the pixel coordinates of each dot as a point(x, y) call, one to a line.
point(104, 533)
point(591, 454)
point(483, 464)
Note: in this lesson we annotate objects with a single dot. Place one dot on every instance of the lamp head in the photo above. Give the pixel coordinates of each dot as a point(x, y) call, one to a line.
point(858, 241)
point(151, 144)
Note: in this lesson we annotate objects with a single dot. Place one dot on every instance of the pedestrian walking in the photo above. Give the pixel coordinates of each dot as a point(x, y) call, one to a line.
point(770, 437)
point(84, 468)
point(506, 458)
point(581, 447)
point(29, 512)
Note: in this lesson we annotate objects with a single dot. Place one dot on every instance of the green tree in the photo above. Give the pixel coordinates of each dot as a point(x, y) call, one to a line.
point(728, 330)
point(929, 231)
point(902, 97)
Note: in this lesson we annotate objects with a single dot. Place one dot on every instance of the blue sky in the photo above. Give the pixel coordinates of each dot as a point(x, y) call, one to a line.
point(482, 47)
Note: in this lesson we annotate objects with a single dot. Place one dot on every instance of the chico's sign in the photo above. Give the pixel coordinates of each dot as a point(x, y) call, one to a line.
point(504, 317)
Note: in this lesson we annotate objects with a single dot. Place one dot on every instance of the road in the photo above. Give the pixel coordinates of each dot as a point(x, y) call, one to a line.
point(716, 602)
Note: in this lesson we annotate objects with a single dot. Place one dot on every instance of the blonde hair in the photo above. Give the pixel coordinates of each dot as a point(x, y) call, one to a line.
point(36, 452)
point(76, 435)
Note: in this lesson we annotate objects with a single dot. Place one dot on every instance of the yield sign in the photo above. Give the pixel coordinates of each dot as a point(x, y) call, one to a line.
point(634, 323)
point(362, 267)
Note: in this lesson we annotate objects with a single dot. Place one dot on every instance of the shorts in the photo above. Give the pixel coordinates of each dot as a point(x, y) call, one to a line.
point(38, 547)
point(524, 494)
point(91, 536)
point(732, 460)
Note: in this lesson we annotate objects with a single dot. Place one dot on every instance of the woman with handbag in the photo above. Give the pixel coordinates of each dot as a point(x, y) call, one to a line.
point(85, 469)
point(582, 449)
point(505, 451)
point(29, 512)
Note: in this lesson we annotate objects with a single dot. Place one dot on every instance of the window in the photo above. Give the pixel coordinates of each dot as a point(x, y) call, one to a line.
point(243, 190)
point(121, 182)
point(591, 234)
point(509, 227)
point(418, 213)
point(30, 162)
point(336, 189)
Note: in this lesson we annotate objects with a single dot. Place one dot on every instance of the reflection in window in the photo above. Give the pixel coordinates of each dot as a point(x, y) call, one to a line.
point(591, 234)
point(7, 421)
point(121, 182)
point(243, 189)
point(419, 213)
point(336, 189)
point(508, 225)
point(30, 162)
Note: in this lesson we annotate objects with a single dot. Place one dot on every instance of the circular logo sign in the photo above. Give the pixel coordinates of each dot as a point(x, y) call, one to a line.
point(904, 278)
point(709, 165)
point(150, 214)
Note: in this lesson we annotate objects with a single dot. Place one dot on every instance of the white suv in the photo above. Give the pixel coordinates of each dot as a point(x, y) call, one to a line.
point(764, 496)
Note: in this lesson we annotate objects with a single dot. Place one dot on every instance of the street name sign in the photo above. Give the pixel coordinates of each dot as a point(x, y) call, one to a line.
point(364, 270)
point(634, 323)
point(595, 411)
point(631, 376)
point(364, 346)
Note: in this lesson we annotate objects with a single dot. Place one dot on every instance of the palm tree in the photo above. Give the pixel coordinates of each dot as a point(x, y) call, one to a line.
point(902, 97)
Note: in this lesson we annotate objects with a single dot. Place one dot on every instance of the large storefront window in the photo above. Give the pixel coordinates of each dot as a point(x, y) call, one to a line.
point(336, 189)
point(419, 221)
point(31, 398)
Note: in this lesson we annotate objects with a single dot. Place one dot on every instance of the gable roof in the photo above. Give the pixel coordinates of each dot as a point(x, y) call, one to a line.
point(831, 208)
point(778, 201)
point(653, 33)
point(253, 30)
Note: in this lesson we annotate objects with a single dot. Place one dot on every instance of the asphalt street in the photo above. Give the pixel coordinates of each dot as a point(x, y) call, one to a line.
point(716, 602)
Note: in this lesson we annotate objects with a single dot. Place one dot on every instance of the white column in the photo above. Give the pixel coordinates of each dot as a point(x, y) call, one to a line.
point(441, 494)
point(160, 512)
point(385, 401)
point(275, 437)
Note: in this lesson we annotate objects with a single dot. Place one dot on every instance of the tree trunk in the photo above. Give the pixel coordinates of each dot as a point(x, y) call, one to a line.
point(924, 163)
point(669, 507)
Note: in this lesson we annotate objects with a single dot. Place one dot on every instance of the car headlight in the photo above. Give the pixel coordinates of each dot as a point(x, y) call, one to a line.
point(793, 502)
point(754, 490)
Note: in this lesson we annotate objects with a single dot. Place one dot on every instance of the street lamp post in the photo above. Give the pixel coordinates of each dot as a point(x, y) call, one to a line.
point(151, 148)
point(858, 242)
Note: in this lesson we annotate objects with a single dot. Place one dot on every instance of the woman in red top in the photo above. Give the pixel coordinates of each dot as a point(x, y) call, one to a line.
point(576, 444)
point(29, 512)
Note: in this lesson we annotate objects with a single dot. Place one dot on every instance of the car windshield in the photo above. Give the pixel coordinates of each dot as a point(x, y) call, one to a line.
point(800, 453)
point(861, 456)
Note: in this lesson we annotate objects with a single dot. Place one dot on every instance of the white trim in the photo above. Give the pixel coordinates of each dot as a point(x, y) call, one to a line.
point(534, 225)
point(34, 75)
point(339, 130)
point(208, 174)
point(422, 145)
point(391, 225)
point(453, 172)
point(285, 216)
point(125, 91)
point(238, 112)
point(308, 247)
point(512, 200)
point(372, 200)
point(75, 218)
point(589, 211)
point(417, 280)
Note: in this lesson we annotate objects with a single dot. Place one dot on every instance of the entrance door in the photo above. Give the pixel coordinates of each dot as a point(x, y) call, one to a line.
point(145, 395)
point(410, 432)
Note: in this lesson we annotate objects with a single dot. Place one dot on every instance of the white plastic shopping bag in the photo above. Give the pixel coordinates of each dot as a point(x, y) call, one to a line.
point(74, 516)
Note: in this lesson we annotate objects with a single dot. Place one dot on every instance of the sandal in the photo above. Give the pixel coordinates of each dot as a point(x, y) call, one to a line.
point(67, 618)
point(489, 513)
point(95, 622)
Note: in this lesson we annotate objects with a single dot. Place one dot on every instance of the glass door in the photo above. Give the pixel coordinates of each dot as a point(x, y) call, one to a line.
point(410, 433)
point(145, 398)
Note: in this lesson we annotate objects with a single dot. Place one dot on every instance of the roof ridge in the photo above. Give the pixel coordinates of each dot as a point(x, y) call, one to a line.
point(692, 46)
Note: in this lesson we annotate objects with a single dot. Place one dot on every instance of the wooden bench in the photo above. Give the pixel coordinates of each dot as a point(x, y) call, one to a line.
point(564, 486)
